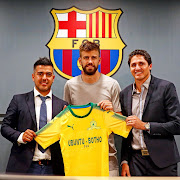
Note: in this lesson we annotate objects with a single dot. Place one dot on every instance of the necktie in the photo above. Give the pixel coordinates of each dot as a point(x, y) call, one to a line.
point(43, 118)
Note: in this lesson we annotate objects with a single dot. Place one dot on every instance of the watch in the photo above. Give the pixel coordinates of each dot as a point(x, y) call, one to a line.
point(147, 126)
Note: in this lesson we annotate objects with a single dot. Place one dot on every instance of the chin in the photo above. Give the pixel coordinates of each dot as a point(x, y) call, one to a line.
point(139, 78)
point(44, 89)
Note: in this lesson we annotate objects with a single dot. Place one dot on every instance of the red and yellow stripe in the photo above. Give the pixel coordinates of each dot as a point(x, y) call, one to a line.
point(100, 25)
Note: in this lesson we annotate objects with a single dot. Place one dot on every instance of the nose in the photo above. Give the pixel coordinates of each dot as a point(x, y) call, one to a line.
point(44, 76)
point(137, 67)
point(90, 60)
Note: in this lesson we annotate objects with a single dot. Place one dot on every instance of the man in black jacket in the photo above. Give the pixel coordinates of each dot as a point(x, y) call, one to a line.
point(153, 110)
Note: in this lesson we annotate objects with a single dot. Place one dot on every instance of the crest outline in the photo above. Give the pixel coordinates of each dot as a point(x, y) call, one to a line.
point(65, 42)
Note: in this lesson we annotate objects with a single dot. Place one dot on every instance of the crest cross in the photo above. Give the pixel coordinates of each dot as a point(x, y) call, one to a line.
point(72, 24)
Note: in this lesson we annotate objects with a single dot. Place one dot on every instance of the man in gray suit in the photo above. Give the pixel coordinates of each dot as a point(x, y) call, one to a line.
point(153, 110)
point(23, 118)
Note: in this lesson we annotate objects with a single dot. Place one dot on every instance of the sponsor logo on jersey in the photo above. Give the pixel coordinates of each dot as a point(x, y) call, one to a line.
point(72, 27)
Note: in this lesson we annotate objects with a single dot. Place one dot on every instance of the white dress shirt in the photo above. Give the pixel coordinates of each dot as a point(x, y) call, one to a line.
point(38, 155)
point(138, 101)
point(138, 137)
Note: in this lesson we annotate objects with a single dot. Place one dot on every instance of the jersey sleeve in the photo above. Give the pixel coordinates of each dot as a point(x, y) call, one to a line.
point(50, 133)
point(116, 123)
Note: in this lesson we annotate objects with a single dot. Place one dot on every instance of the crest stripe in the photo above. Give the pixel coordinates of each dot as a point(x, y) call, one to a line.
point(103, 25)
point(110, 26)
point(114, 54)
point(94, 25)
point(97, 24)
point(100, 24)
point(67, 62)
point(69, 65)
point(106, 25)
point(58, 58)
point(75, 70)
point(90, 25)
point(105, 62)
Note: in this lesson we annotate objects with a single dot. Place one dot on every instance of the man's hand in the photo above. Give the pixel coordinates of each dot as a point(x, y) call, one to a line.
point(106, 105)
point(135, 122)
point(64, 107)
point(28, 135)
point(119, 113)
point(125, 170)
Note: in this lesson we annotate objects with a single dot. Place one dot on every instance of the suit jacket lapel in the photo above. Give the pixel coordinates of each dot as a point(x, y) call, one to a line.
point(31, 105)
point(150, 91)
point(129, 101)
point(54, 107)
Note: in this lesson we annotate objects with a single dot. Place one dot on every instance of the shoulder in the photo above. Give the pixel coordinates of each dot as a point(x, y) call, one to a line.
point(162, 88)
point(19, 100)
point(126, 89)
point(161, 83)
point(59, 101)
point(73, 80)
point(124, 94)
point(108, 79)
point(23, 96)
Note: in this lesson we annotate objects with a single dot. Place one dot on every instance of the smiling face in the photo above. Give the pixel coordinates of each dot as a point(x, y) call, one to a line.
point(140, 68)
point(89, 61)
point(43, 78)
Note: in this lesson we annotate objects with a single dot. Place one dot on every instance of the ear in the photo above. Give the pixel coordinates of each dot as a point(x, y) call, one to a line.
point(150, 66)
point(33, 77)
point(53, 77)
point(99, 60)
point(79, 59)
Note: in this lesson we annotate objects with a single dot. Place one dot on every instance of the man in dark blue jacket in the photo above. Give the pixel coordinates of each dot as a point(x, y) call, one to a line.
point(25, 115)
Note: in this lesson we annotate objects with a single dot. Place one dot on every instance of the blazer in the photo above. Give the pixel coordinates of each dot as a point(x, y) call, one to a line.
point(19, 117)
point(162, 111)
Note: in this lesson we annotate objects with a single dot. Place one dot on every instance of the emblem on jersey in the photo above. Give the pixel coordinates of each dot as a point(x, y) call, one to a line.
point(93, 125)
point(71, 126)
point(72, 27)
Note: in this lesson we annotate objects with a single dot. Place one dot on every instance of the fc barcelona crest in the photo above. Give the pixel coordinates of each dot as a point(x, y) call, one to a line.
point(72, 27)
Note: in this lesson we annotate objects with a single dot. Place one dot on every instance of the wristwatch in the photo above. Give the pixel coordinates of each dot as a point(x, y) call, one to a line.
point(147, 126)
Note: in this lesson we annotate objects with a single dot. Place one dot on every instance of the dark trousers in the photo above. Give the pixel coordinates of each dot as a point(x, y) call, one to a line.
point(144, 166)
point(36, 169)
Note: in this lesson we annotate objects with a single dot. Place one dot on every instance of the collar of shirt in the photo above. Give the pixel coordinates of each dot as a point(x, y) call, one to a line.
point(37, 93)
point(145, 84)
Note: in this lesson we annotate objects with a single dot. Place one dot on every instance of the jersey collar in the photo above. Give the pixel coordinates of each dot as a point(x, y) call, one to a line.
point(70, 107)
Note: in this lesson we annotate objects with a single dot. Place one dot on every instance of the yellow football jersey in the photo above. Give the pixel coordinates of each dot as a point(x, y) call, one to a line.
point(83, 132)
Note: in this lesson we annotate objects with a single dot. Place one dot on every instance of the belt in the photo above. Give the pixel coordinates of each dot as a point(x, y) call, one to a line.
point(143, 152)
point(43, 162)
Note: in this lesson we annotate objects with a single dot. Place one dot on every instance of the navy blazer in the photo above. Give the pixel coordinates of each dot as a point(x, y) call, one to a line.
point(19, 117)
point(162, 110)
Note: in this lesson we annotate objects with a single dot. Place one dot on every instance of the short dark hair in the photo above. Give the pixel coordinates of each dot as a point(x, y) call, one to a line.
point(88, 46)
point(43, 61)
point(141, 52)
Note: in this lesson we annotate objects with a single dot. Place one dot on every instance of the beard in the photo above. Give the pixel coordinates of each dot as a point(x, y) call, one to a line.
point(90, 72)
